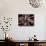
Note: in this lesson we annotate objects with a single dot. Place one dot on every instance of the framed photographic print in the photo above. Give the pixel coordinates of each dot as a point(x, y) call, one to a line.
point(25, 19)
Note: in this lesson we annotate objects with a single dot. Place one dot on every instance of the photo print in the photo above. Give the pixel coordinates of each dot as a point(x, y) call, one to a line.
point(25, 19)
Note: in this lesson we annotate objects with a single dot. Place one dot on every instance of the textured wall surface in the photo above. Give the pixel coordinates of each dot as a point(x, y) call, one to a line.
point(11, 8)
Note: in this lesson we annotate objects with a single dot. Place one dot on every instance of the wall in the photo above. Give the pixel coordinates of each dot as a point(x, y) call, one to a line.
point(11, 8)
